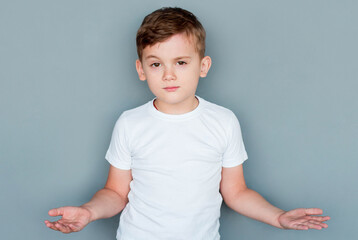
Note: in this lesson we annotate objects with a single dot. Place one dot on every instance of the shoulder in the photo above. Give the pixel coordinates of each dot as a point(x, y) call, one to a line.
point(223, 118)
point(219, 112)
point(134, 114)
point(128, 119)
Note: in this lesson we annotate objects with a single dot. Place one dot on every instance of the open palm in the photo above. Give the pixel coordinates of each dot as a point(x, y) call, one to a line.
point(301, 219)
point(73, 219)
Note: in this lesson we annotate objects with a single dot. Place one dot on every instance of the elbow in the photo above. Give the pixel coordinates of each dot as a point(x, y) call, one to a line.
point(125, 199)
point(123, 196)
point(233, 196)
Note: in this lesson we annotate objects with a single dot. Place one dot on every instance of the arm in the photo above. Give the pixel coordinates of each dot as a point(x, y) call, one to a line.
point(111, 200)
point(106, 203)
point(251, 204)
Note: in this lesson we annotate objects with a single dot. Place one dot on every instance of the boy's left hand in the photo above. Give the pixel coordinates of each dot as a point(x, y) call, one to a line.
point(301, 219)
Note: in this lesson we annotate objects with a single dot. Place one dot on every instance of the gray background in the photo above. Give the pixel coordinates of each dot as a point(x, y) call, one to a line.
point(288, 69)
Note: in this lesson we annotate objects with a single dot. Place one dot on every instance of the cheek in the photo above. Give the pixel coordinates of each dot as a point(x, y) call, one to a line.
point(153, 73)
point(191, 72)
point(154, 85)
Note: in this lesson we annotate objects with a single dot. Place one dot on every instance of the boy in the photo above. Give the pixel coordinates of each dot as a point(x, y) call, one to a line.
point(175, 158)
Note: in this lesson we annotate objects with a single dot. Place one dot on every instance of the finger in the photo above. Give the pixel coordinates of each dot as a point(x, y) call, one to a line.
point(63, 228)
point(58, 226)
point(56, 212)
point(52, 226)
point(48, 223)
point(73, 227)
point(300, 227)
point(69, 227)
point(319, 218)
point(318, 223)
point(65, 221)
point(314, 226)
point(313, 211)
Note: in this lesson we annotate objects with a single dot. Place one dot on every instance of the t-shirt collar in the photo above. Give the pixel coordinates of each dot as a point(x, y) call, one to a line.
point(182, 116)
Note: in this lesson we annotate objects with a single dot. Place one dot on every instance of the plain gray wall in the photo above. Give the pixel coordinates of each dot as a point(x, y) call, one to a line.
point(288, 69)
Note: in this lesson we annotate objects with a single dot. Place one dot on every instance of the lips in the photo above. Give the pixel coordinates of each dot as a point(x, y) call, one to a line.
point(171, 89)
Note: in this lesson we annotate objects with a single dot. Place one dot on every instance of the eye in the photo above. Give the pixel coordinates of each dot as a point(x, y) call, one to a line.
point(181, 62)
point(155, 65)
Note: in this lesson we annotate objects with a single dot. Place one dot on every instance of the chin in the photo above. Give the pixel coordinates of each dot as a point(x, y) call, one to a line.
point(171, 99)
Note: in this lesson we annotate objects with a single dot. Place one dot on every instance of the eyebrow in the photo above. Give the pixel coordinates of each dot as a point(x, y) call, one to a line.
point(181, 57)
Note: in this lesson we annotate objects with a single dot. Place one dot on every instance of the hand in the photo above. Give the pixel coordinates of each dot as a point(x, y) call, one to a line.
point(73, 219)
point(301, 219)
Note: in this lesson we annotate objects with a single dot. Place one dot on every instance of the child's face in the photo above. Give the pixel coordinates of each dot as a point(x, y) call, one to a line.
point(173, 63)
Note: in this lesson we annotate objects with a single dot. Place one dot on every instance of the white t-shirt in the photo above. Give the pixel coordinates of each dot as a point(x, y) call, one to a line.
point(176, 163)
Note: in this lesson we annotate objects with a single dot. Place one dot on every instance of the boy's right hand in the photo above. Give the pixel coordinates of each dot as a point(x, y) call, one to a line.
point(73, 219)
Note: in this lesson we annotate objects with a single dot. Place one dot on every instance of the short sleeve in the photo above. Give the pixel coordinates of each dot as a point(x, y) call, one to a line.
point(235, 153)
point(118, 153)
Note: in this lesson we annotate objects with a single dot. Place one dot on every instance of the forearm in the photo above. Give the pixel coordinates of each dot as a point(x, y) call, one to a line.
point(105, 204)
point(251, 204)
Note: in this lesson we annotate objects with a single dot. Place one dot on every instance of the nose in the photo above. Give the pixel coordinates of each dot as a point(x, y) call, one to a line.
point(169, 74)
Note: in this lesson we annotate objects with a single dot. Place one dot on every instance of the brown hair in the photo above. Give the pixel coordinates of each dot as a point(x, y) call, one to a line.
point(165, 22)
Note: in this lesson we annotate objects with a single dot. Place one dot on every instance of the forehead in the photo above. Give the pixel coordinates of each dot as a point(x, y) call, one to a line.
point(176, 45)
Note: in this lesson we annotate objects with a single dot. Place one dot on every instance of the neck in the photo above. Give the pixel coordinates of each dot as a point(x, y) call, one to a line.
point(176, 109)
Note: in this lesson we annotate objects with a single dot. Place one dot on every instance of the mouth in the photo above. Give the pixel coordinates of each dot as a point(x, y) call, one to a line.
point(171, 89)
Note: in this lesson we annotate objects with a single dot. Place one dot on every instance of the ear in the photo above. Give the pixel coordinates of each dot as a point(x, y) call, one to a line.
point(205, 66)
point(140, 70)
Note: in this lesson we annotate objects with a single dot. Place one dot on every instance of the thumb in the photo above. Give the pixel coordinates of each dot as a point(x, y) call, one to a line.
point(56, 212)
point(313, 211)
